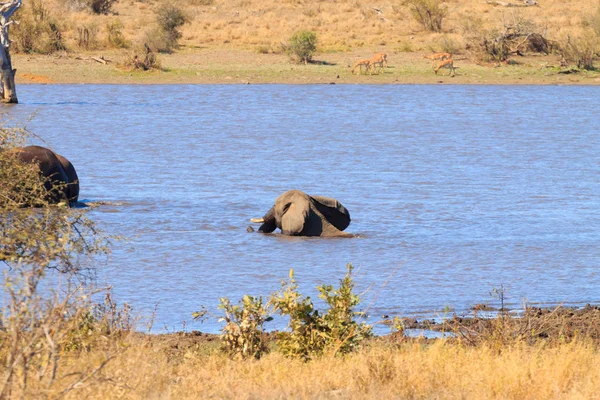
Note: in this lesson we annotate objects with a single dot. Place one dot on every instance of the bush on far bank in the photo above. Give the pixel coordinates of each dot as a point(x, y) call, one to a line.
point(302, 46)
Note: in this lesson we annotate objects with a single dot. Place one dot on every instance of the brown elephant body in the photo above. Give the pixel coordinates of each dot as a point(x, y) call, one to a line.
point(298, 214)
point(62, 183)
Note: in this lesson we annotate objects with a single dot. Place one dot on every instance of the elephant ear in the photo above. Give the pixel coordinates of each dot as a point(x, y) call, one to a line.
point(335, 213)
point(293, 218)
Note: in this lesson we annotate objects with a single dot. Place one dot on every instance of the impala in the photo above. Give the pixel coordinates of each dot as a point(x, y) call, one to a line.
point(361, 64)
point(438, 56)
point(446, 64)
point(377, 61)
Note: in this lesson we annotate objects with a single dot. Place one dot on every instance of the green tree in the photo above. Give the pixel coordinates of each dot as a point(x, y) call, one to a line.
point(302, 46)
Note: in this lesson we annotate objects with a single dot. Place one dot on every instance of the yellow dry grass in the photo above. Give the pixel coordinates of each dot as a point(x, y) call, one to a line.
point(414, 370)
point(341, 25)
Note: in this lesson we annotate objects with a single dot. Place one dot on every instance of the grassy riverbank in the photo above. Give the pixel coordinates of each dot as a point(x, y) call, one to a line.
point(543, 354)
point(235, 66)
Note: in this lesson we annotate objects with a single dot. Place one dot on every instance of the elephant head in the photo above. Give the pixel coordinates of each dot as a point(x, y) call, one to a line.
point(62, 183)
point(298, 214)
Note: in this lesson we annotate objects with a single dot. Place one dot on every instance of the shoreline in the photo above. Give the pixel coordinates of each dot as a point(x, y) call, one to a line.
point(191, 66)
point(558, 322)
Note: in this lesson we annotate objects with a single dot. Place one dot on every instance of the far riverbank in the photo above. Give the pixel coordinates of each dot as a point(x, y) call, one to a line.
point(239, 66)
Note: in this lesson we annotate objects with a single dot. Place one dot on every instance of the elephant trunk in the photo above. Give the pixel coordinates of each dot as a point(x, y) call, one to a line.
point(268, 221)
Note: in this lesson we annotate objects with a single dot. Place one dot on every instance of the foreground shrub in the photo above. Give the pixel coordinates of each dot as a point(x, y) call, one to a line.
point(428, 13)
point(243, 334)
point(313, 334)
point(302, 46)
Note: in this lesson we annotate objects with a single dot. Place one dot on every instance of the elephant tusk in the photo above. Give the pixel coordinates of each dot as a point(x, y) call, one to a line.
point(257, 220)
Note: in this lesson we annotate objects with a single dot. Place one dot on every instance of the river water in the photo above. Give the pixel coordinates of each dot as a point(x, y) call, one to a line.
point(454, 191)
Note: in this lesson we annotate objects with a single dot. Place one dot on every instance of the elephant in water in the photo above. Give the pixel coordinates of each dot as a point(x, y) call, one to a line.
point(298, 214)
point(57, 168)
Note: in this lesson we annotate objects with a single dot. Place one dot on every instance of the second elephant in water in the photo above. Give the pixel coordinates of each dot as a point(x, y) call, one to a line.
point(62, 183)
point(298, 214)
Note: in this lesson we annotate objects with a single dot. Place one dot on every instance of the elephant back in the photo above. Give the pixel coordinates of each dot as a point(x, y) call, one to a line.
point(333, 211)
point(50, 167)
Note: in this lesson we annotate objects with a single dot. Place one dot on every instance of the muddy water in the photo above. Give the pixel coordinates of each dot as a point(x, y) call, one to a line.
point(454, 191)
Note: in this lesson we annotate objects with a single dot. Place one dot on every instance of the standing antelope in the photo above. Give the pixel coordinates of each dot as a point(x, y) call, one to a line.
point(378, 60)
point(449, 63)
point(361, 64)
point(438, 56)
point(383, 56)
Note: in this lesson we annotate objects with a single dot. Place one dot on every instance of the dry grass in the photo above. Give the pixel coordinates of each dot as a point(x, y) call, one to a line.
point(154, 369)
point(548, 354)
point(340, 25)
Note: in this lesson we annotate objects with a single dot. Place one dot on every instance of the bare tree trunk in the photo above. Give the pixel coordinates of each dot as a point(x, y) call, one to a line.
point(8, 93)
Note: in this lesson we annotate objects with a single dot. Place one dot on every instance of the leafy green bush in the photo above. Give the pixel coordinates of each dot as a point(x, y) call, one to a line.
point(314, 334)
point(429, 13)
point(302, 46)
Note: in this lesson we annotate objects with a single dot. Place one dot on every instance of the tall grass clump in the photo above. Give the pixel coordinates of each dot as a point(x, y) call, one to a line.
point(115, 37)
point(87, 36)
point(429, 13)
point(581, 50)
point(37, 31)
point(302, 46)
